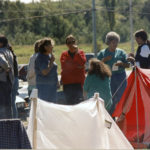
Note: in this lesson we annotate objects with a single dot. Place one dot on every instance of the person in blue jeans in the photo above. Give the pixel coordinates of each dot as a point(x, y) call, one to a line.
point(15, 84)
point(116, 59)
point(46, 71)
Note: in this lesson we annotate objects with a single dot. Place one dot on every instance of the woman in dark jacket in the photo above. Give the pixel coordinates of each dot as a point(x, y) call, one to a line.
point(142, 57)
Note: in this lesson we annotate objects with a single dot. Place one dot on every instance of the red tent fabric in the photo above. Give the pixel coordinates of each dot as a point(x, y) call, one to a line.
point(135, 103)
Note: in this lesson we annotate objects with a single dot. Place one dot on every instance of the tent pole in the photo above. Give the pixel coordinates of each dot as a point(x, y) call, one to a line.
point(137, 116)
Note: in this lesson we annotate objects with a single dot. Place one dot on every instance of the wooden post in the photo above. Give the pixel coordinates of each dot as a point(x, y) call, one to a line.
point(33, 97)
point(96, 96)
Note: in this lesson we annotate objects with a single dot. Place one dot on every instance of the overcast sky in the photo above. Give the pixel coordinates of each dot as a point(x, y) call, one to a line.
point(25, 1)
point(28, 1)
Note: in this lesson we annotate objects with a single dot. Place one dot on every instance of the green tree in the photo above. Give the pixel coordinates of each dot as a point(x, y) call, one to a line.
point(110, 6)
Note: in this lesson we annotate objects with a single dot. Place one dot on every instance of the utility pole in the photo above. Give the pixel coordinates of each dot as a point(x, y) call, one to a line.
point(94, 27)
point(131, 26)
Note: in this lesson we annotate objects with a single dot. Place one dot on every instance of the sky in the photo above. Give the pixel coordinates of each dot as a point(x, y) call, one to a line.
point(28, 1)
point(25, 1)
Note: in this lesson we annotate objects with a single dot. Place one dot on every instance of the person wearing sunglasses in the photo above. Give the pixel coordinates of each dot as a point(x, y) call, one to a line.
point(73, 71)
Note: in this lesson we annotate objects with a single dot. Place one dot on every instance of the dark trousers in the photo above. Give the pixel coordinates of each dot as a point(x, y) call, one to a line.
point(118, 86)
point(5, 100)
point(13, 100)
point(73, 93)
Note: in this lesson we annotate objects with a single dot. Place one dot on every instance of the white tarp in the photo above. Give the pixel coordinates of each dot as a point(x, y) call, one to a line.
point(83, 126)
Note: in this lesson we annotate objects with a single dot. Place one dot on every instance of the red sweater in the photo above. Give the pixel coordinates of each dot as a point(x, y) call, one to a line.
point(73, 69)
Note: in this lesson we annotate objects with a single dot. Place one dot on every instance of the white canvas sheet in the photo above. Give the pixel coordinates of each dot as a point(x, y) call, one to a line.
point(83, 126)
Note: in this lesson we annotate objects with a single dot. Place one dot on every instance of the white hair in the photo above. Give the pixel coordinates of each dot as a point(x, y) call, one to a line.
point(111, 36)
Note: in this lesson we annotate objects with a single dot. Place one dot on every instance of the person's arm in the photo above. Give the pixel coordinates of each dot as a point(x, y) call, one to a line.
point(121, 117)
point(145, 51)
point(102, 58)
point(80, 58)
point(63, 60)
point(108, 58)
point(30, 69)
point(50, 65)
point(131, 59)
point(4, 63)
point(85, 95)
point(86, 87)
point(123, 62)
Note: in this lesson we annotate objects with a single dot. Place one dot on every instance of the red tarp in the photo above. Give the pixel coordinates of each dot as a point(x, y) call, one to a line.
point(138, 88)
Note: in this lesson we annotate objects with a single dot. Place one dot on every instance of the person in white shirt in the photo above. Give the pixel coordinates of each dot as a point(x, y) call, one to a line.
point(31, 77)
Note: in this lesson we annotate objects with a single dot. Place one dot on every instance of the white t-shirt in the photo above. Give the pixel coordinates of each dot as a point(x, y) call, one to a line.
point(145, 51)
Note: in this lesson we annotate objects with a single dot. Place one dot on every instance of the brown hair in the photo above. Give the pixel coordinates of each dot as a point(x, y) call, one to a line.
point(36, 46)
point(143, 35)
point(98, 68)
point(70, 36)
point(3, 40)
point(9, 46)
point(44, 42)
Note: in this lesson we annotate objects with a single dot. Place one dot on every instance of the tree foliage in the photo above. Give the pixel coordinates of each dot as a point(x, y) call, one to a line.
point(110, 6)
point(25, 23)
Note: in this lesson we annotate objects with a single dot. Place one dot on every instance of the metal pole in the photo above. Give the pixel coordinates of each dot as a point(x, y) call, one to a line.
point(94, 28)
point(131, 26)
point(137, 114)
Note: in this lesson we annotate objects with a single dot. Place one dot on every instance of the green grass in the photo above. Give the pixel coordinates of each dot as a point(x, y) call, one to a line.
point(24, 52)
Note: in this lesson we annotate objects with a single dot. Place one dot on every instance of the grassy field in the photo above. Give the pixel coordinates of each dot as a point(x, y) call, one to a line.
point(24, 52)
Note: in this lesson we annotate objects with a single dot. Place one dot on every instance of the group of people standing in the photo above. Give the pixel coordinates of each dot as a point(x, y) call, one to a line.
point(42, 71)
point(106, 74)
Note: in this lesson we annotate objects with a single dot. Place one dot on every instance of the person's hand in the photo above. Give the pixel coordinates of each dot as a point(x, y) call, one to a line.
point(105, 59)
point(131, 55)
point(119, 64)
point(131, 59)
point(121, 118)
point(75, 48)
point(52, 59)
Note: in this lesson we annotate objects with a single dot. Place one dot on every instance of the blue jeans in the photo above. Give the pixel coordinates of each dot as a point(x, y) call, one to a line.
point(118, 85)
point(47, 92)
point(14, 93)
